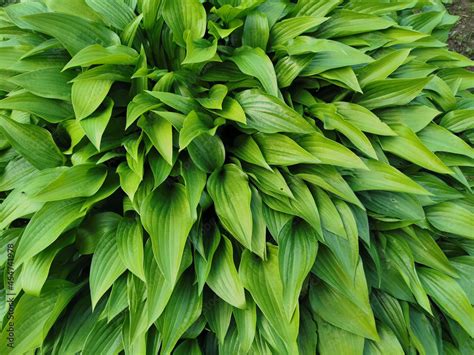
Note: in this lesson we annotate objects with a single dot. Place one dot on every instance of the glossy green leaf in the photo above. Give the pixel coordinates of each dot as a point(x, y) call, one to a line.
point(96, 54)
point(298, 246)
point(176, 319)
point(254, 62)
point(87, 95)
point(31, 329)
point(449, 296)
point(262, 279)
point(129, 237)
point(189, 15)
point(74, 33)
point(51, 110)
point(77, 181)
point(47, 225)
point(268, 114)
point(231, 194)
point(452, 218)
point(279, 149)
point(167, 217)
point(106, 266)
point(34, 143)
point(223, 278)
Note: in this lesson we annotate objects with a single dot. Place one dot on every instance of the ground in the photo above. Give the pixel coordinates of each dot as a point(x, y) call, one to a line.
point(462, 36)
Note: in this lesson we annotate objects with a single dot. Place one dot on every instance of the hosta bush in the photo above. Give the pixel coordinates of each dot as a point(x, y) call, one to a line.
point(235, 177)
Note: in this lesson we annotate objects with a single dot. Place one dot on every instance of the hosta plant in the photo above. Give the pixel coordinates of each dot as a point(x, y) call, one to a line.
point(235, 177)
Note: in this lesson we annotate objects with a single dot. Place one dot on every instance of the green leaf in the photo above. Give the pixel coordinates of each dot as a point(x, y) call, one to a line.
point(129, 180)
point(458, 120)
point(49, 83)
point(329, 179)
point(166, 216)
point(193, 126)
point(329, 54)
point(87, 95)
point(288, 68)
point(382, 67)
point(74, 33)
point(20, 202)
point(363, 119)
point(15, 173)
point(231, 110)
point(96, 54)
point(413, 150)
point(158, 290)
point(256, 30)
point(35, 271)
point(330, 218)
point(451, 217)
point(218, 318)
point(330, 152)
point(269, 181)
point(47, 225)
point(106, 266)
point(439, 139)
point(206, 251)
point(94, 126)
point(298, 246)
point(207, 152)
point(391, 92)
point(373, 7)
point(215, 98)
point(333, 121)
point(139, 105)
point(200, 50)
point(391, 205)
point(336, 340)
point(50, 110)
point(160, 133)
point(268, 114)
point(34, 143)
point(279, 149)
point(254, 62)
point(347, 23)
point(449, 296)
point(229, 189)
point(188, 15)
point(31, 328)
point(114, 13)
point(340, 311)
point(77, 181)
point(400, 257)
point(415, 117)
point(183, 104)
point(181, 312)
point(464, 266)
point(246, 322)
point(105, 336)
point(77, 326)
point(73, 7)
point(343, 77)
point(262, 279)
point(247, 149)
point(223, 278)
point(382, 176)
point(290, 28)
point(423, 333)
point(129, 236)
point(426, 251)
point(388, 343)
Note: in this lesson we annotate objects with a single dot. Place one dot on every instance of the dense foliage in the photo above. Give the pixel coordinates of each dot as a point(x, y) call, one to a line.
point(235, 177)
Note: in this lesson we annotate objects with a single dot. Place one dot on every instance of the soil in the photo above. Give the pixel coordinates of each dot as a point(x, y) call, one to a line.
point(461, 38)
